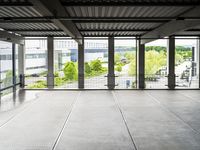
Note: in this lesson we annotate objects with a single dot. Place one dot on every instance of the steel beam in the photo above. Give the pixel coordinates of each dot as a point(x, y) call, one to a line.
point(35, 30)
point(11, 37)
point(48, 18)
point(14, 3)
point(128, 3)
point(173, 27)
point(54, 8)
point(114, 30)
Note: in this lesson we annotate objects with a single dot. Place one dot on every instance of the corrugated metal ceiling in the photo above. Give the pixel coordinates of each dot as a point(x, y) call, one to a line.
point(124, 11)
point(18, 11)
point(28, 26)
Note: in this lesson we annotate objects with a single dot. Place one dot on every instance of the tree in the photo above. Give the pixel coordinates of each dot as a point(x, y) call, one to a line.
point(70, 71)
point(154, 60)
point(96, 65)
point(118, 68)
point(117, 58)
point(132, 68)
point(88, 69)
point(129, 56)
point(8, 79)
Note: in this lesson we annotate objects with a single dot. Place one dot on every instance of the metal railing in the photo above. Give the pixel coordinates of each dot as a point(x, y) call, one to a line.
point(125, 82)
point(155, 81)
point(7, 86)
point(151, 81)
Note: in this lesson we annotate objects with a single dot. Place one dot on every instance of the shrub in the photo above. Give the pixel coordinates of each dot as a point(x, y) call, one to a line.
point(70, 71)
point(96, 65)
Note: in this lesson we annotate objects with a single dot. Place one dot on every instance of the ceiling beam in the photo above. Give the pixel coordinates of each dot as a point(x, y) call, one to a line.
point(54, 8)
point(11, 37)
point(35, 30)
point(92, 19)
point(14, 3)
point(25, 21)
point(71, 3)
point(114, 30)
point(172, 27)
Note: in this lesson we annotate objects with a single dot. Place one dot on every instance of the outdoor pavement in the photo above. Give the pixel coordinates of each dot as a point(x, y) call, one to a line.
point(101, 120)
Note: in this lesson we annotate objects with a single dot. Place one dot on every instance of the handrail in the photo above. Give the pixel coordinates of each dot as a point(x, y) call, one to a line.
point(3, 89)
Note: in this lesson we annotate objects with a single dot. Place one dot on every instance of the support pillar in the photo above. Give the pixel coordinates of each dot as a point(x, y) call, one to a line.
point(111, 63)
point(14, 67)
point(21, 64)
point(198, 59)
point(81, 65)
point(140, 65)
point(171, 63)
point(50, 63)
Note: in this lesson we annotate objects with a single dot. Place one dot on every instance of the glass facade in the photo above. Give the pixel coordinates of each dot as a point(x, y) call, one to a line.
point(36, 63)
point(156, 64)
point(186, 63)
point(6, 66)
point(125, 63)
point(65, 64)
point(96, 63)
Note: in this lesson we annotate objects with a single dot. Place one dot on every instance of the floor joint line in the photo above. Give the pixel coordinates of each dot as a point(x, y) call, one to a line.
point(124, 119)
point(65, 122)
point(169, 110)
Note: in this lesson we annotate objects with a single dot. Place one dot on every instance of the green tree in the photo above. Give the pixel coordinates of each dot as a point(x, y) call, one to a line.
point(117, 58)
point(129, 56)
point(70, 71)
point(132, 68)
point(8, 79)
point(88, 69)
point(154, 61)
point(118, 68)
point(96, 65)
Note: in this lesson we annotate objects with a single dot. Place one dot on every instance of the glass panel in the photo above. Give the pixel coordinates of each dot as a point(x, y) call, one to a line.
point(125, 63)
point(6, 78)
point(96, 63)
point(156, 64)
point(36, 63)
point(186, 60)
point(65, 63)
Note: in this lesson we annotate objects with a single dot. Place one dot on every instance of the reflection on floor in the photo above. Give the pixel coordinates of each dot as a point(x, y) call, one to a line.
point(101, 120)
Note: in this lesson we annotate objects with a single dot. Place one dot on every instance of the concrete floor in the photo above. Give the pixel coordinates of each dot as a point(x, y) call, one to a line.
point(101, 120)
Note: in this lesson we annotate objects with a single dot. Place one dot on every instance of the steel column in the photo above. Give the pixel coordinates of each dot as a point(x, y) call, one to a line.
point(111, 63)
point(14, 67)
point(140, 64)
point(50, 62)
point(81, 65)
point(21, 64)
point(171, 63)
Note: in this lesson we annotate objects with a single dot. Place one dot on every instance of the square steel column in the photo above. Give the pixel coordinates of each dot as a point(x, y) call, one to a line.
point(50, 62)
point(111, 63)
point(171, 62)
point(140, 64)
point(81, 65)
point(198, 59)
point(14, 67)
point(21, 64)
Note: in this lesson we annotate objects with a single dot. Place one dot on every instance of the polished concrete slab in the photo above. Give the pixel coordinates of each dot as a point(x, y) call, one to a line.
point(101, 120)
